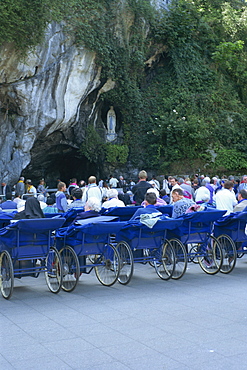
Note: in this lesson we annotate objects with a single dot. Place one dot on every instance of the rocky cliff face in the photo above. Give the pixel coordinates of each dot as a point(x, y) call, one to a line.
point(40, 100)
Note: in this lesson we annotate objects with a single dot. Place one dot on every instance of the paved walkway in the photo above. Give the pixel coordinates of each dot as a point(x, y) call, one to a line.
point(198, 322)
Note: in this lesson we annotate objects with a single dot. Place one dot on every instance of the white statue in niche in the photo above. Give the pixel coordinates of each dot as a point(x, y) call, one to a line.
point(111, 124)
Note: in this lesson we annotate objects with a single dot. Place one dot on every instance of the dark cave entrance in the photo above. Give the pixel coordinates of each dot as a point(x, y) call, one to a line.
point(59, 162)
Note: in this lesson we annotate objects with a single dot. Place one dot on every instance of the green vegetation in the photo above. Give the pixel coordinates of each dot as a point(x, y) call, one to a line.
point(192, 101)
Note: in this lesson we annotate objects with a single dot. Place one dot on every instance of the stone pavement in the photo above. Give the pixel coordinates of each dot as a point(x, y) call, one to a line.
point(198, 322)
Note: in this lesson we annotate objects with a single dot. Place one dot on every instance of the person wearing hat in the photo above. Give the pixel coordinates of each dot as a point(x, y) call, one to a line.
point(30, 188)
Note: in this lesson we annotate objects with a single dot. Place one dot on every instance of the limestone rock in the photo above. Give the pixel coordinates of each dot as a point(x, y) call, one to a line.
point(40, 95)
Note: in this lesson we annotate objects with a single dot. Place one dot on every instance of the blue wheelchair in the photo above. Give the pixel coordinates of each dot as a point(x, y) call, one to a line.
point(196, 242)
point(87, 246)
point(26, 248)
point(138, 243)
point(230, 232)
point(125, 213)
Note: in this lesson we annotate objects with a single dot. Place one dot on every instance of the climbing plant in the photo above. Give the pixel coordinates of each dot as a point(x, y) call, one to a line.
point(116, 154)
point(189, 102)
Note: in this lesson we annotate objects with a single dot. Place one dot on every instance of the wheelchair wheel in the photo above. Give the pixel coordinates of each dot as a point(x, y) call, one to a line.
point(126, 262)
point(229, 253)
point(71, 268)
point(166, 264)
point(108, 266)
point(180, 258)
point(6, 275)
point(193, 253)
point(212, 260)
point(54, 269)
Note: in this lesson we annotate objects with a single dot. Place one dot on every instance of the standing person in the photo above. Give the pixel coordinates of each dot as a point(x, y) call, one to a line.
point(20, 187)
point(131, 184)
point(61, 201)
point(113, 182)
point(139, 190)
point(166, 185)
point(30, 188)
point(225, 199)
point(104, 190)
point(92, 191)
point(72, 185)
point(101, 183)
point(5, 189)
point(122, 183)
point(41, 188)
point(155, 182)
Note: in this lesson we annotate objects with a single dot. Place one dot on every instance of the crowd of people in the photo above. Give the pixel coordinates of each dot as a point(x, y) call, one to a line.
point(185, 194)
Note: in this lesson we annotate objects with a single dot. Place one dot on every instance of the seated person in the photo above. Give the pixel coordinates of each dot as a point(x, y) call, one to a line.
point(32, 210)
point(91, 209)
point(125, 197)
point(242, 201)
point(113, 200)
point(164, 196)
point(51, 206)
point(41, 199)
point(180, 203)
point(20, 202)
point(159, 201)
point(149, 206)
point(8, 204)
point(77, 202)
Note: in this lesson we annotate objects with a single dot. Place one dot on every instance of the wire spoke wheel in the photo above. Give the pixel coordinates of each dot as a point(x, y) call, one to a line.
point(180, 258)
point(229, 253)
point(108, 266)
point(6, 275)
point(166, 264)
point(193, 253)
point(71, 268)
point(54, 270)
point(212, 257)
point(126, 262)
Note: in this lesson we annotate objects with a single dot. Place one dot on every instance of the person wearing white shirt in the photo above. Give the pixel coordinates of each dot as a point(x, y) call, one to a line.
point(113, 182)
point(91, 191)
point(200, 193)
point(174, 184)
point(113, 200)
point(225, 199)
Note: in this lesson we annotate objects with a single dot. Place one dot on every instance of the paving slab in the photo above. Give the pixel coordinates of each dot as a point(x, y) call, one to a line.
point(198, 322)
